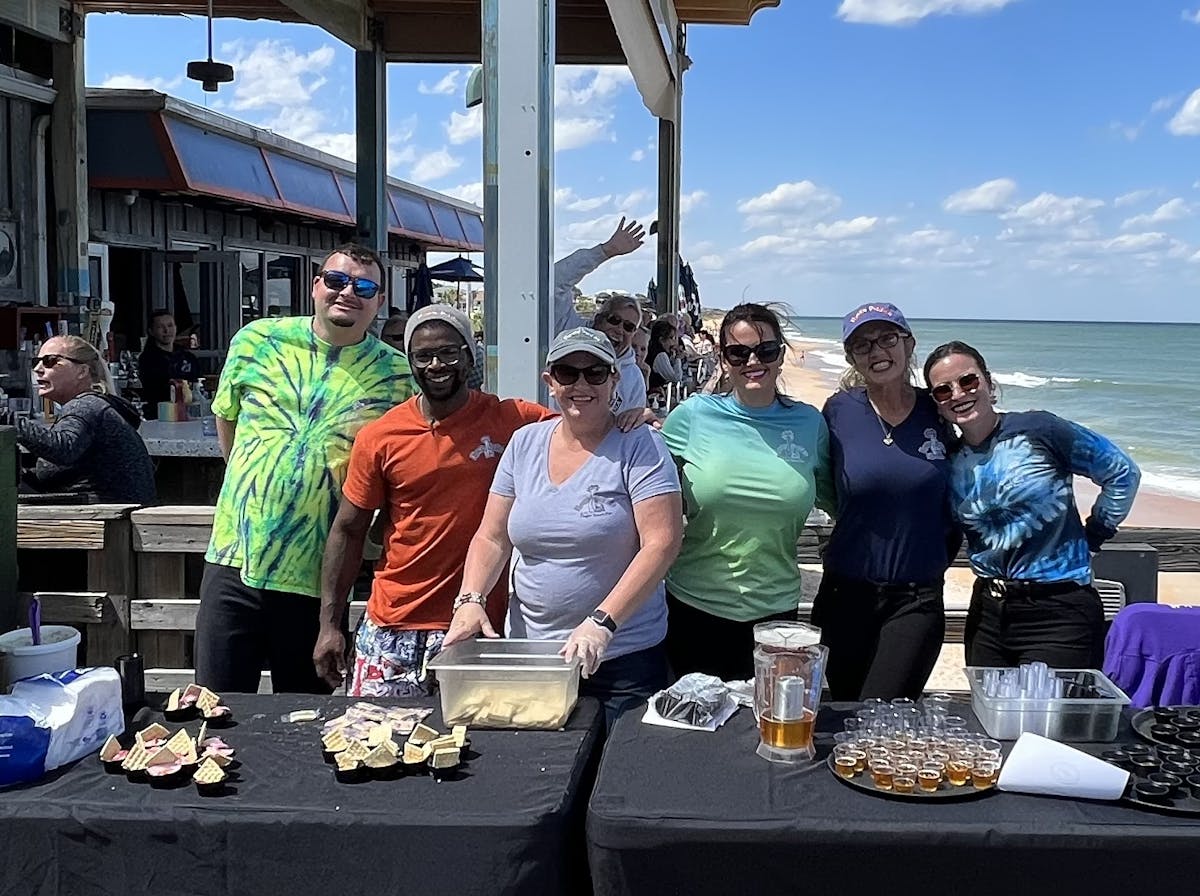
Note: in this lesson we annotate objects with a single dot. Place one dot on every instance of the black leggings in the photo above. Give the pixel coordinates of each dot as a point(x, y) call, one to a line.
point(883, 640)
point(701, 642)
point(1064, 629)
point(241, 629)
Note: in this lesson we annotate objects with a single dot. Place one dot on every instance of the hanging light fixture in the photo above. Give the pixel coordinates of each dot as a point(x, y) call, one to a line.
point(209, 73)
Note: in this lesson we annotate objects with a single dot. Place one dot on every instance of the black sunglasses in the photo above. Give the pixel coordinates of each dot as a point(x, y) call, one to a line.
point(338, 280)
point(615, 320)
point(766, 352)
point(50, 361)
point(863, 345)
point(943, 392)
point(450, 357)
point(567, 375)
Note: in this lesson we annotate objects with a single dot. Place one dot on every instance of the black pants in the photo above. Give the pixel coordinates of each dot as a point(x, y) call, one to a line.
point(627, 681)
point(240, 630)
point(883, 640)
point(701, 642)
point(1065, 630)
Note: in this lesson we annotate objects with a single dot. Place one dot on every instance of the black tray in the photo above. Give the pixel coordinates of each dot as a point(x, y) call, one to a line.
point(946, 793)
point(1142, 721)
point(1180, 805)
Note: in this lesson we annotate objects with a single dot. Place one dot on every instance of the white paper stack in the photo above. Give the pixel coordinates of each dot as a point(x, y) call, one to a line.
point(1043, 766)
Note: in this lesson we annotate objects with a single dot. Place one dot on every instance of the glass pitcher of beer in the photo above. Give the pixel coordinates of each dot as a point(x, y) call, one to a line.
point(789, 666)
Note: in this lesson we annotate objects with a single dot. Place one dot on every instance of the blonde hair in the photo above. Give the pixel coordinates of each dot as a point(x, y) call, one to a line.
point(85, 353)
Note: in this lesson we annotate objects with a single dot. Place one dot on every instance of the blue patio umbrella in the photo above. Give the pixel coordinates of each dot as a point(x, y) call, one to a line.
point(457, 270)
point(422, 289)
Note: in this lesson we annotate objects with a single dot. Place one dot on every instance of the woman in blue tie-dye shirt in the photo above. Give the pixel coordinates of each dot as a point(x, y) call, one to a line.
point(1011, 489)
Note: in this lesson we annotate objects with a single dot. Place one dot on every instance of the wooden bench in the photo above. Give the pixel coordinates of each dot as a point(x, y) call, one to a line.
point(101, 531)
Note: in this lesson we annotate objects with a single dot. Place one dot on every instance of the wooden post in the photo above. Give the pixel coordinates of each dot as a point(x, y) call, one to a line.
point(69, 154)
point(111, 569)
point(9, 612)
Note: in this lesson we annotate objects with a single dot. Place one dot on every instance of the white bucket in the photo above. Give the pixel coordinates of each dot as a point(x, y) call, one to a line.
point(20, 657)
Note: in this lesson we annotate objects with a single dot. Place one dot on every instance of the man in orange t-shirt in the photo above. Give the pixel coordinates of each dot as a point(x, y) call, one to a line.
point(428, 463)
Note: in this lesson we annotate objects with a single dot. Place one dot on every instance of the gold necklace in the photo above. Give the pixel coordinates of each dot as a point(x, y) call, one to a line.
point(887, 433)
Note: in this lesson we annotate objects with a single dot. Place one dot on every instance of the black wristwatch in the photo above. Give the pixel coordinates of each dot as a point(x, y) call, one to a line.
point(604, 620)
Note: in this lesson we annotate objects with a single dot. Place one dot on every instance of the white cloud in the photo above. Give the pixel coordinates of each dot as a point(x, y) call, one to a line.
point(909, 12)
point(463, 127)
point(989, 196)
point(1192, 16)
point(1171, 210)
point(472, 193)
point(1132, 198)
point(433, 166)
point(800, 199)
point(1050, 210)
point(710, 262)
point(845, 230)
point(591, 232)
point(1135, 243)
point(1186, 122)
point(689, 201)
point(633, 198)
point(637, 155)
point(451, 83)
point(272, 74)
point(928, 238)
point(134, 82)
point(567, 199)
point(575, 133)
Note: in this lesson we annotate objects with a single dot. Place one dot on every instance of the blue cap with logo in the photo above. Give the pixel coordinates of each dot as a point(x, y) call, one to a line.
point(864, 314)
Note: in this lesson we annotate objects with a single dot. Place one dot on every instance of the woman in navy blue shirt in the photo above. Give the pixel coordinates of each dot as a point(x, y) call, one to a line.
point(1011, 482)
point(880, 603)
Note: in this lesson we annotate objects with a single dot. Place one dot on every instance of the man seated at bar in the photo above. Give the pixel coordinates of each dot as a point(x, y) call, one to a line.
point(161, 361)
point(427, 464)
point(93, 446)
point(294, 393)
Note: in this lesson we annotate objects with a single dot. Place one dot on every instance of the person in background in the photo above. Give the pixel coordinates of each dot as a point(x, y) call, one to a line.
point(618, 317)
point(640, 345)
point(162, 361)
point(392, 331)
point(1011, 488)
point(595, 517)
point(752, 462)
point(706, 357)
point(93, 446)
point(293, 395)
point(428, 464)
point(479, 368)
point(663, 357)
point(880, 606)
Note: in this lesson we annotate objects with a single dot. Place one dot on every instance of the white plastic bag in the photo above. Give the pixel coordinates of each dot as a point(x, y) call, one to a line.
point(81, 707)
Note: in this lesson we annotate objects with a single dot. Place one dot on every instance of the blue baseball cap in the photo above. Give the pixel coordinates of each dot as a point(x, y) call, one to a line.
point(864, 314)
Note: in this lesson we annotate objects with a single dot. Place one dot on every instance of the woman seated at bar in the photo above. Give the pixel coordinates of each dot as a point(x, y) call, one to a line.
point(662, 355)
point(1011, 489)
point(752, 463)
point(93, 446)
point(595, 515)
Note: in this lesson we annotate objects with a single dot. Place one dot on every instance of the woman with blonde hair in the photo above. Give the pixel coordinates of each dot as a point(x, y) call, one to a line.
point(92, 446)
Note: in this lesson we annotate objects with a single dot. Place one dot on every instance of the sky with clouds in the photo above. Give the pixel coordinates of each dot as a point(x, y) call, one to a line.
point(1015, 159)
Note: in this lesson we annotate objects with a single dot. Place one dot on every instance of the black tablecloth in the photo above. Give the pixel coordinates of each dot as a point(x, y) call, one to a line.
point(695, 813)
point(511, 824)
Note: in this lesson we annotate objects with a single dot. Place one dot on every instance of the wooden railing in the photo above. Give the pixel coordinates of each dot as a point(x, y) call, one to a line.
point(138, 595)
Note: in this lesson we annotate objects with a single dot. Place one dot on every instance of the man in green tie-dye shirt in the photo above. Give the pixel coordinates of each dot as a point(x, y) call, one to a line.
point(293, 394)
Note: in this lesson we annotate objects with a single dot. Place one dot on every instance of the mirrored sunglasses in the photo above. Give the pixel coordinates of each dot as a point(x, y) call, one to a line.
point(943, 392)
point(339, 280)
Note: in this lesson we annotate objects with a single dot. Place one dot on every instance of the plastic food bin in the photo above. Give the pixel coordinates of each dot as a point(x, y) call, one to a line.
point(1067, 719)
point(512, 683)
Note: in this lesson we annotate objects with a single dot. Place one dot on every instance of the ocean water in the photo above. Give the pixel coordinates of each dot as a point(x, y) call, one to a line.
point(1137, 384)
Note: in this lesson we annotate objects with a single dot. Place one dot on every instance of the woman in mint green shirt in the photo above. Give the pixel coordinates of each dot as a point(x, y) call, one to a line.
point(752, 463)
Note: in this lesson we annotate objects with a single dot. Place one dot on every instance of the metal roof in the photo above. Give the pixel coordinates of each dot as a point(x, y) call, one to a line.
point(145, 140)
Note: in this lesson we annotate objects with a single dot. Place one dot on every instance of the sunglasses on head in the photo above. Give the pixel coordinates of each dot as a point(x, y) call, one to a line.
point(766, 352)
point(567, 375)
point(943, 392)
point(615, 320)
point(863, 346)
point(50, 361)
point(449, 357)
point(338, 280)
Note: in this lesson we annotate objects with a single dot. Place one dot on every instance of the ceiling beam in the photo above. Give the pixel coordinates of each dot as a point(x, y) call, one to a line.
point(344, 19)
